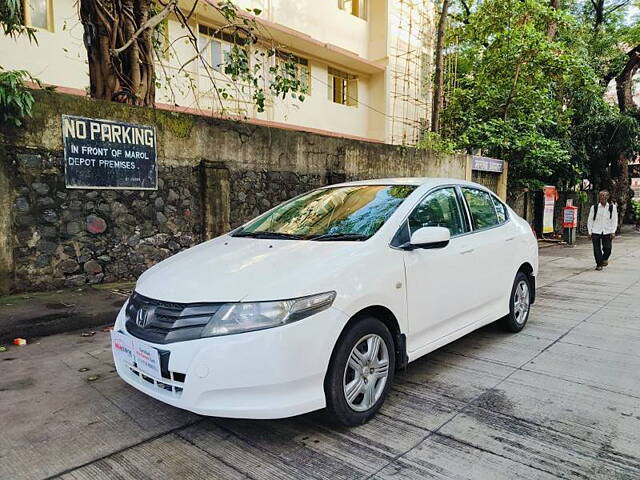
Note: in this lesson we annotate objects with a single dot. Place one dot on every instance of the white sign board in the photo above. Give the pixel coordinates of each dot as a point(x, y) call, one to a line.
point(130, 350)
point(487, 164)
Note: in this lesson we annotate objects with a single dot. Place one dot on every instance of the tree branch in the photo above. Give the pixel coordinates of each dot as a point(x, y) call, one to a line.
point(149, 24)
point(624, 81)
point(616, 7)
point(552, 27)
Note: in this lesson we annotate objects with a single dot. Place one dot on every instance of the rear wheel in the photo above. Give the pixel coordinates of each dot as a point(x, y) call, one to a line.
point(519, 304)
point(360, 372)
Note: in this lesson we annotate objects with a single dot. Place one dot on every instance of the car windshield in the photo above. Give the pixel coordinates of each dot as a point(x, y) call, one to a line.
point(338, 213)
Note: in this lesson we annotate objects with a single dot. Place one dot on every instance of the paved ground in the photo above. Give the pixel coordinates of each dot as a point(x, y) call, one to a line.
point(561, 399)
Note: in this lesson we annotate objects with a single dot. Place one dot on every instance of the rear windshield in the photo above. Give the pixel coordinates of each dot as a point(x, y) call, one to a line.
point(350, 212)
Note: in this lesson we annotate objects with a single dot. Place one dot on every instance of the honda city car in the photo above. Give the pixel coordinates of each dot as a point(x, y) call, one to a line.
point(317, 302)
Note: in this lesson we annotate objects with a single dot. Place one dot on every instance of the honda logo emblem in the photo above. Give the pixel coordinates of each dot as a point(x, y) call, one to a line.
point(142, 317)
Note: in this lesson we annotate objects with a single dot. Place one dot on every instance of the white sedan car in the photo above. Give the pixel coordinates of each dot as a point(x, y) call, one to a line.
point(318, 301)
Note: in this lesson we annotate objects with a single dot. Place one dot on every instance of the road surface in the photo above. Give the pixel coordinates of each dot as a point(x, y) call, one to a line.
point(559, 400)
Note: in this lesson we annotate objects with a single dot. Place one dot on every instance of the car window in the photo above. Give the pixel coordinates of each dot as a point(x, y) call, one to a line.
point(501, 210)
point(438, 209)
point(335, 212)
point(483, 212)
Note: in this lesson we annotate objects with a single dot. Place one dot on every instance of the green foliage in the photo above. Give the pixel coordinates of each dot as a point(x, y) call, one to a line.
point(536, 100)
point(16, 99)
point(11, 20)
point(437, 143)
point(603, 135)
point(636, 209)
point(582, 198)
point(255, 64)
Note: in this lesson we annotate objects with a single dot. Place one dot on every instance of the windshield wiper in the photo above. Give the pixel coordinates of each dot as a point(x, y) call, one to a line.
point(354, 237)
point(270, 235)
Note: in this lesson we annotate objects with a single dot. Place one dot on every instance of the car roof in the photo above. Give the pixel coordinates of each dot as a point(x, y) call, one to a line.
point(417, 181)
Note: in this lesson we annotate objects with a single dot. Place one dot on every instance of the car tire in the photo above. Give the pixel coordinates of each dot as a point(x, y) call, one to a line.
point(355, 386)
point(519, 304)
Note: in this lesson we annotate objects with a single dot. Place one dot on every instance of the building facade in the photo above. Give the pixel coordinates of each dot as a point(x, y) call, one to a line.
point(365, 64)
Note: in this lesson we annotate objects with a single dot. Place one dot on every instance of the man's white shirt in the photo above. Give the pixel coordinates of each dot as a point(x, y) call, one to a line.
point(602, 224)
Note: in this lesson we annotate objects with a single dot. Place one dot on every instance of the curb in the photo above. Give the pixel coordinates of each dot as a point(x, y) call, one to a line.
point(40, 314)
point(52, 324)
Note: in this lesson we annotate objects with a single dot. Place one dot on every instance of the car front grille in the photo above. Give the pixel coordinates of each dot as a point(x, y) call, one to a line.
point(161, 322)
point(173, 384)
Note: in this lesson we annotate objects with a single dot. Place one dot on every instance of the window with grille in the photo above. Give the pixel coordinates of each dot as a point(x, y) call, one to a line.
point(357, 8)
point(216, 46)
point(302, 70)
point(38, 14)
point(343, 87)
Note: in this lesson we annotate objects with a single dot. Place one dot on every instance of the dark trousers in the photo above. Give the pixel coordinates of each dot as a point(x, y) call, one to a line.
point(601, 247)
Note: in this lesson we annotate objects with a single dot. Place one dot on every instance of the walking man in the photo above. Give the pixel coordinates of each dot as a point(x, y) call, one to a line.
point(602, 225)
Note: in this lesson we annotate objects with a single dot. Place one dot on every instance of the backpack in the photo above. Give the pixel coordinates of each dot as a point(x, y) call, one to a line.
point(595, 210)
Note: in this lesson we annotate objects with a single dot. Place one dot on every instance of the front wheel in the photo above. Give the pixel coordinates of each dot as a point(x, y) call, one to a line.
point(360, 372)
point(519, 304)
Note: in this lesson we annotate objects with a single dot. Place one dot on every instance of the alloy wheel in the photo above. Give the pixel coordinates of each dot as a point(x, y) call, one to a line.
point(521, 302)
point(366, 372)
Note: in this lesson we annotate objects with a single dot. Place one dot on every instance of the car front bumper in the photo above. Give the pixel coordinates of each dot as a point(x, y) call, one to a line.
point(272, 373)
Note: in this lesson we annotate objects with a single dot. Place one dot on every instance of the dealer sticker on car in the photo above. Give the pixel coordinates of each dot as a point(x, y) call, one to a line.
point(132, 351)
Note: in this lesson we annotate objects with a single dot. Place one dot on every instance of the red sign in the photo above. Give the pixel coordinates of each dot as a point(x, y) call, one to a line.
point(570, 217)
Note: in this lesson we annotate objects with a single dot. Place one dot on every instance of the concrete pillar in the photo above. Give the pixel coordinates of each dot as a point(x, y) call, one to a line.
point(6, 232)
point(502, 182)
point(468, 170)
point(215, 199)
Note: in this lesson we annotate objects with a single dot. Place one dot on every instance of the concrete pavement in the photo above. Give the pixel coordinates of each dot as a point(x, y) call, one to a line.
point(559, 400)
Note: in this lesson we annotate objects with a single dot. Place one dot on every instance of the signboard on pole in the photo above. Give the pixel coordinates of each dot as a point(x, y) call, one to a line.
point(487, 164)
point(106, 154)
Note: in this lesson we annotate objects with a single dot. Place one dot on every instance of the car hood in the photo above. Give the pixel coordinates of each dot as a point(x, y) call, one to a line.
point(229, 269)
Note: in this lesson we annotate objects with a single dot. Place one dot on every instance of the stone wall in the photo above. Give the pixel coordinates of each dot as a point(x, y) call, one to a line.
point(67, 237)
point(255, 192)
point(214, 174)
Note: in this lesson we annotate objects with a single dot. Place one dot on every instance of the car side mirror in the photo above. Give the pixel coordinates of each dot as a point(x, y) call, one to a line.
point(429, 237)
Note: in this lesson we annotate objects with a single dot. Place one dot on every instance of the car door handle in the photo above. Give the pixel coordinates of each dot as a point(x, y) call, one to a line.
point(464, 252)
point(509, 239)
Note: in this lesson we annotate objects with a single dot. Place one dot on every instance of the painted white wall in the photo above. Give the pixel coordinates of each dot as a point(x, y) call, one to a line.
point(317, 111)
point(59, 58)
point(320, 19)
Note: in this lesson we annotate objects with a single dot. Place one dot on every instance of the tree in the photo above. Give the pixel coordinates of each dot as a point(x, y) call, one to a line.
point(602, 10)
point(439, 73)
point(530, 88)
point(119, 38)
point(614, 46)
point(515, 88)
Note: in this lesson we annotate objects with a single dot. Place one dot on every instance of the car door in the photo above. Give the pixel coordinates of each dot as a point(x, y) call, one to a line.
point(493, 253)
point(436, 280)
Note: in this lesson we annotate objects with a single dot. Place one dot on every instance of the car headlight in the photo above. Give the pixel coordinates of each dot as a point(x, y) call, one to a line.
point(246, 317)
